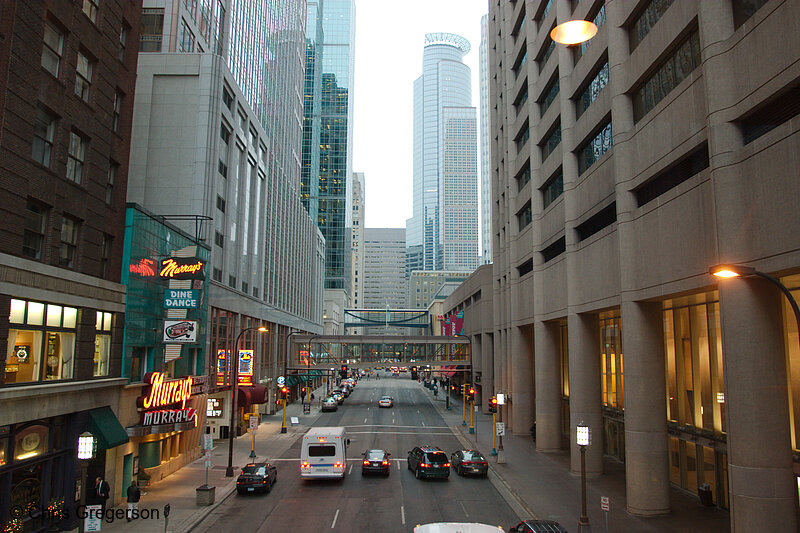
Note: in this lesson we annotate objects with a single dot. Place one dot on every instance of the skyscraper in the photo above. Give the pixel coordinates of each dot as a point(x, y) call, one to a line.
point(326, 159)
point(357, 285)
point(443, 231)
point(486, 190)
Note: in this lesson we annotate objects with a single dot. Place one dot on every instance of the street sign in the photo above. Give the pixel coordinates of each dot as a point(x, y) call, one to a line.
point(604, 505)
point(281, 380)
point(253, 422)
point(501, 398)
point(208, 441)
point(207, 459)
point(94, 518)
point(500, 428)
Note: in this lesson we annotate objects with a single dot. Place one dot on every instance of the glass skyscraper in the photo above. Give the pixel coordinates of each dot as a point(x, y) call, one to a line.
point(325, 188)
point(443, 231)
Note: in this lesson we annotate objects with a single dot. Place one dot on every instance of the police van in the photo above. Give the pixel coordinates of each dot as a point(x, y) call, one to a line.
point(323, 453)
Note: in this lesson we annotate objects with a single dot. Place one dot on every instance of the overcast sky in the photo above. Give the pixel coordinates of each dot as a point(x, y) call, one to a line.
point(390, 37)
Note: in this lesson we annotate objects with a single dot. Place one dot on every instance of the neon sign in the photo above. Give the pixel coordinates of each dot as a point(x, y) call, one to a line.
point(178, 268)
point(245, 367)
point(144, 267)
point(163, 393)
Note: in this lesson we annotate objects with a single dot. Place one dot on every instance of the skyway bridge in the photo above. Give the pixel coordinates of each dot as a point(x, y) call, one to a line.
point(323, 352)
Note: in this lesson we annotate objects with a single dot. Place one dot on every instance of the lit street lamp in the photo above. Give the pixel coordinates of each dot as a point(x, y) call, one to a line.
point(583, 438)
point(234, 392)
point(739, 271)
point(573, 32)
point(85, 454)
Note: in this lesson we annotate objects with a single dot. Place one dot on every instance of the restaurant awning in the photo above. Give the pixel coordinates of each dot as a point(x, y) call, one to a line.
point(105, 426)
point(250, 395)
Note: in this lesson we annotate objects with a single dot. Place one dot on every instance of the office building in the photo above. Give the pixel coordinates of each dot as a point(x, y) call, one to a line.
point(357, 245)
point(384, 268)
point(423, 285)
point(483, 108)
point(443, 231)
point(622, 170)
point(66, 98)
point(327, 138)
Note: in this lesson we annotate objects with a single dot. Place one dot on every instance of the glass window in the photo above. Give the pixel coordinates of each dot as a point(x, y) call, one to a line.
point(151, 30)
point(594, 149)
point(44, 129)
point(551, 142)
point(34, 230)
point(3, 451)
point(17, 314)
point(553, 188)
point(592, 90)
point(53, 315)
point(191, 8)
point(83, 77)
point(60, 349)
point(76, 156)
point(186, 43)
point(611, 360)
point(90, 8)
point(112, 178)
point(524, 217)
point(646, 21)
point(321, 451)
point(123, 41)
point(52, 49)
point(69, 242)
point(550, 94)
point(117, 111)
point(102, 353)
point(105, 257)
point(70, 317)
point(30, 442)
point(35, 314)
point(23, 356)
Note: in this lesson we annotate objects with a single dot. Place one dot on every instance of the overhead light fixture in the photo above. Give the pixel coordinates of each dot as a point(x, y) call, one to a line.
point(573, 32)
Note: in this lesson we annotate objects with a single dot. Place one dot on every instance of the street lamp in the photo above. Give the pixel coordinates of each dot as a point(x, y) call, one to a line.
point(583, 438)
point(235, 391)
point(740, 271)
point(85, 453)
point(573, 32)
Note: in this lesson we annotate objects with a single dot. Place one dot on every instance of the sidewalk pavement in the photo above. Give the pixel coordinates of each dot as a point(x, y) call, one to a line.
point(178, 489)
point(544, 488)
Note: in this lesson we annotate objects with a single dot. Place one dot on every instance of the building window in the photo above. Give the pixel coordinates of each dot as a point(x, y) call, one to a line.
point(123, 41)
point(224, 134)
point(227, 98)
point(69, 242)
point(221, 203)
point(117, 111)
point(223, 169)
point(553, 188)
point(592, 90)
point(52, 49)
point(112, 178)
point(219, 239)
point(670, 73)
point(523, 138)
point(102, 344)
point(595, 148)
point(646, 21)
point(551, 142)
point(105, 257)
point(232, 281)
point(523, 177)
point(550, 94)
point(43, 134)
point(83, 77)
point(152, 28)
point(90, 8)
point(598, 19)
point(744, 9)
point(75, 158)
point(611, 360)
point(186, 43)
point(191, 8)
point(216, 275)
point(524, 217)
point(33, 234)
point(41, 342)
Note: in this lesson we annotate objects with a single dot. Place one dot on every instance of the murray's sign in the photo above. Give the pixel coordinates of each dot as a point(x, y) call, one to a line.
point(182, 268)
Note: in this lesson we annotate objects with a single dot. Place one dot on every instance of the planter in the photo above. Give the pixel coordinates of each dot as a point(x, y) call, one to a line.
point(705, 496)
point(205, 495)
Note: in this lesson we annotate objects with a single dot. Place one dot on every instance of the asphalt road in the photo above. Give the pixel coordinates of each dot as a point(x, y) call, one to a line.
point(369, 503)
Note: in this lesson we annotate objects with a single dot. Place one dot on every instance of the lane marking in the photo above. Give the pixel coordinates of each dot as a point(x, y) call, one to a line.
point(365, 420)
point(403, 515)
point(466, 514)
point(398, 462)
point(351, 470)
point(392, 425)
point(397, 433)
point(333, 525)
point(423, 423)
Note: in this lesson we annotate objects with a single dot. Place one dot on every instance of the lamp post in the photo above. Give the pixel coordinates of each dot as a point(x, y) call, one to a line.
point(737, 271)
point(234, 392)
point(573, 32)
point(85, 454)
point(583, 439)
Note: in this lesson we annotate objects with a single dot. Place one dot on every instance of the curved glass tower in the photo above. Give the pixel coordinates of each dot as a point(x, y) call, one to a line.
point(443, 231)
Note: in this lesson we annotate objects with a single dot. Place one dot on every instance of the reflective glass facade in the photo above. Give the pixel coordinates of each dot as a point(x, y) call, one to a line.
point(326, 160)
point(445, 212)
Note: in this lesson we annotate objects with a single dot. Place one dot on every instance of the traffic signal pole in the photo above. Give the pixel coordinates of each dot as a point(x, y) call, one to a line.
point(283, 425)
point(463, 405)
point(471, 414)
point(494, 435)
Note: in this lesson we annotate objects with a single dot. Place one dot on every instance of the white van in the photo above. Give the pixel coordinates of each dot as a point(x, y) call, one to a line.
point(323, 453)
point(457, 527)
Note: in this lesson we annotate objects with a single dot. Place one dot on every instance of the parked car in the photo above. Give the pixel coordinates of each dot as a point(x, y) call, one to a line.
point(428, 461)
point(469, 462)
point(386, 401)
point(538, 526)
point(329, 404)
point(375, 461)
point(339, 396)
point(256, 477)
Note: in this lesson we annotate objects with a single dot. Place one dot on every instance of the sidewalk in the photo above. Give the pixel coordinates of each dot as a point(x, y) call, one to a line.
point(545, 489)
point(178, 489)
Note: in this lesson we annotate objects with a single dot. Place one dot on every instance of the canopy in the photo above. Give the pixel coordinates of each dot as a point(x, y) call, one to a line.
point(105, 426)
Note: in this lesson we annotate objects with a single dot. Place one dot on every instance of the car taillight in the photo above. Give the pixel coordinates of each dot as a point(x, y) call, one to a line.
point(385, 462)
point(446, 464)
point(263, 481)
point(424, 465)
point(366, 462)
point(305, 465)
point(483, 463)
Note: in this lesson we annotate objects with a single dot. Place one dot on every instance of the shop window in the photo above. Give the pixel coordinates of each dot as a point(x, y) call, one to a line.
point(102, 344)
point(793, 355)
point(30, 442)
point(3, 451)
point(35, 353)
point(611, 360)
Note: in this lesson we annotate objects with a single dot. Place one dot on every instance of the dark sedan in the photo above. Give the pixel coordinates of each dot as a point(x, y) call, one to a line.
point(469, 462)
point(376, 461)
point(538, 526)
point(256, 477)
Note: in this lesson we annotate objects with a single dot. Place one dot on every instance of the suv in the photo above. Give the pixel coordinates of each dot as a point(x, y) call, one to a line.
point(428, 461)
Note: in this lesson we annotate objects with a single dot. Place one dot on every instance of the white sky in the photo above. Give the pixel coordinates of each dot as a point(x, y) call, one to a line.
point(390, 37)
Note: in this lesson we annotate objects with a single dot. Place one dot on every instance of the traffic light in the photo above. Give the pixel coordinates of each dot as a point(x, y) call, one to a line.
point(493, 404)
point(470, 393)
point(343, 371)
point(285, 393)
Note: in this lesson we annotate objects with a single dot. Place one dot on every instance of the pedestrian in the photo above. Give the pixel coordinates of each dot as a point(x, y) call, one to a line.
point(134, 494)
point(102, 492)
point(312, 397)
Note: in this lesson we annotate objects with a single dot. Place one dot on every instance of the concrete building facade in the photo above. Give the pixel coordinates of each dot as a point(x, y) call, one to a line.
point(622, 169)
point(423, 285)
point(384, 268)
point(359, 216)
point(483, 143)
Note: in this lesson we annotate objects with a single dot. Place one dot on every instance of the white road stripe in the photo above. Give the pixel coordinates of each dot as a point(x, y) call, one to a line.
point(333, 525)
point(398, 462)
point(403, 515)
point(392, 425)
point(365, 420)
point(398, 433)
point(350, 471)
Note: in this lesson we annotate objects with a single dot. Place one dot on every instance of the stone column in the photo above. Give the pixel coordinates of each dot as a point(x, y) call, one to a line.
point(522, 377)
point(584, 390)
point(646, 452)
point(548, 386)
point(762, 484)
point(487, 364)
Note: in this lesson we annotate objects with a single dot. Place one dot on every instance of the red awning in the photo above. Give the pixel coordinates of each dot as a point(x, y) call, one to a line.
point(248, 396)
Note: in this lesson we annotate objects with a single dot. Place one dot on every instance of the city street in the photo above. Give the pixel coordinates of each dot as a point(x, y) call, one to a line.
point(369, 503)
